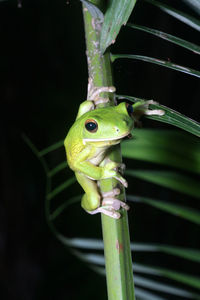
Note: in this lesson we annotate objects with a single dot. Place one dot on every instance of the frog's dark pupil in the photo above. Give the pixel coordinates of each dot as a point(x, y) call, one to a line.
point(91, 126)
point(129, 109)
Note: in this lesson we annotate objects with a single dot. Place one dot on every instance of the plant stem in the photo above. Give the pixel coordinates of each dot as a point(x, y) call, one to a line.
point(116, 237)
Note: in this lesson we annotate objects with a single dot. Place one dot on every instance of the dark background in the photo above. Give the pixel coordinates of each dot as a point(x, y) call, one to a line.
point(43, 80)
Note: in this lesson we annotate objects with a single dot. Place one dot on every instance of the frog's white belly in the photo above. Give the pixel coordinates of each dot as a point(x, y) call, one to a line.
point(98, 156)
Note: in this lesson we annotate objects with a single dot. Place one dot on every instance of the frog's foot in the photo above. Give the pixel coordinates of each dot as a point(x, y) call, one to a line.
point(110, 205)
point(108, 212)
point(111, 202)
point(118, 168)
point(121, 168)
point(122, 180)
point(94, 93)
point(143, 106)
point(111, 193)
point(114, 204)
point(149, 112)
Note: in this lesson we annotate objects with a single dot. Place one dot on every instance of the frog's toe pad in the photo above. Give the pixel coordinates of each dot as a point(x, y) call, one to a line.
point(111, 193)
point(112, 203)
point(101, 100)
point(158, 112)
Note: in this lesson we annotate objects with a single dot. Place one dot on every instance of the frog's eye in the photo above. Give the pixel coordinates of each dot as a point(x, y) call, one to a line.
point(129, 108)
point(91, 125)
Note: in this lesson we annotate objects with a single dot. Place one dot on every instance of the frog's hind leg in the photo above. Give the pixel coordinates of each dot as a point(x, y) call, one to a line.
point(91, 199)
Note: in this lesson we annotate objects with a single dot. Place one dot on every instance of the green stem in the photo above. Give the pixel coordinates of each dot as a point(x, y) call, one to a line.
point(116, 237)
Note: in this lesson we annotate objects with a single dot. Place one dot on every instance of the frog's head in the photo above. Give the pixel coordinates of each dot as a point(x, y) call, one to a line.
point(108, 126)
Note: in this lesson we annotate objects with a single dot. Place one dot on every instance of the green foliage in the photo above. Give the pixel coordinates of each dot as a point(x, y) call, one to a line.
point(94, 10)
point(164, 148)
point(194, 4)
point(159, 62)
point(170, 117)
point(174, 209)
point(168, 37)
point(116, 15)
point(181, 16)
point(133, 148)
point(169, 179)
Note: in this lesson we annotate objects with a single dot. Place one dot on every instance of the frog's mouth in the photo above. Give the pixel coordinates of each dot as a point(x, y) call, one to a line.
point(128, 134)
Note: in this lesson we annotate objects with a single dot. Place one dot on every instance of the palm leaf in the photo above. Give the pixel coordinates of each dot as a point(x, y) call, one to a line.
point(117, 14)
point(97, 244)
point(173, 180)
point(159, 62)
point(171, 117)
point(194, 4)
point(51, 148)
point(94, 10)
point(187, 279)
point(179, 15)
point(181, 211)
point(166, 147)
point(168, 37)
point(60, 188)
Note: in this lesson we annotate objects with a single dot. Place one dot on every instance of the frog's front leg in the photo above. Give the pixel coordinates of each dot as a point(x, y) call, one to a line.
point(109, 201)
point(94, 99)
point(94, 92)
point(142, 108)
point(117, 167)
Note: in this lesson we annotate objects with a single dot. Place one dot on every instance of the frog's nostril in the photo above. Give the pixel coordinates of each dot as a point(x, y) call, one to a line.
point(117, 129)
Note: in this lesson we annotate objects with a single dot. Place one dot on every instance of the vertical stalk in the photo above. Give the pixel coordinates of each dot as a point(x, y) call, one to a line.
point(116, 237)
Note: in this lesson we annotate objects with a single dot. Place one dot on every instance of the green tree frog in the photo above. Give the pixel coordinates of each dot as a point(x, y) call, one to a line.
point(87, 146)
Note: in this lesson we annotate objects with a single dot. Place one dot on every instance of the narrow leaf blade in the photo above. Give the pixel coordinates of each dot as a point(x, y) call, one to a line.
point(61, 188)
point(97, 244)
point(116, 15)
point(57, 169)
point(159, 62)
point(183, 278)
point(98, 259)
point(169, 179)
point(63, 207)
point(51, 148)
point(171, 117)
point(179, 15)
point(168, 37)
point(168, 147)
point(186, 253)
point(160, 287)
point(94, 10)
point(174, 209)
point(142, 294)
point(176, 119)
point(194, 4)
point(187, 279)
